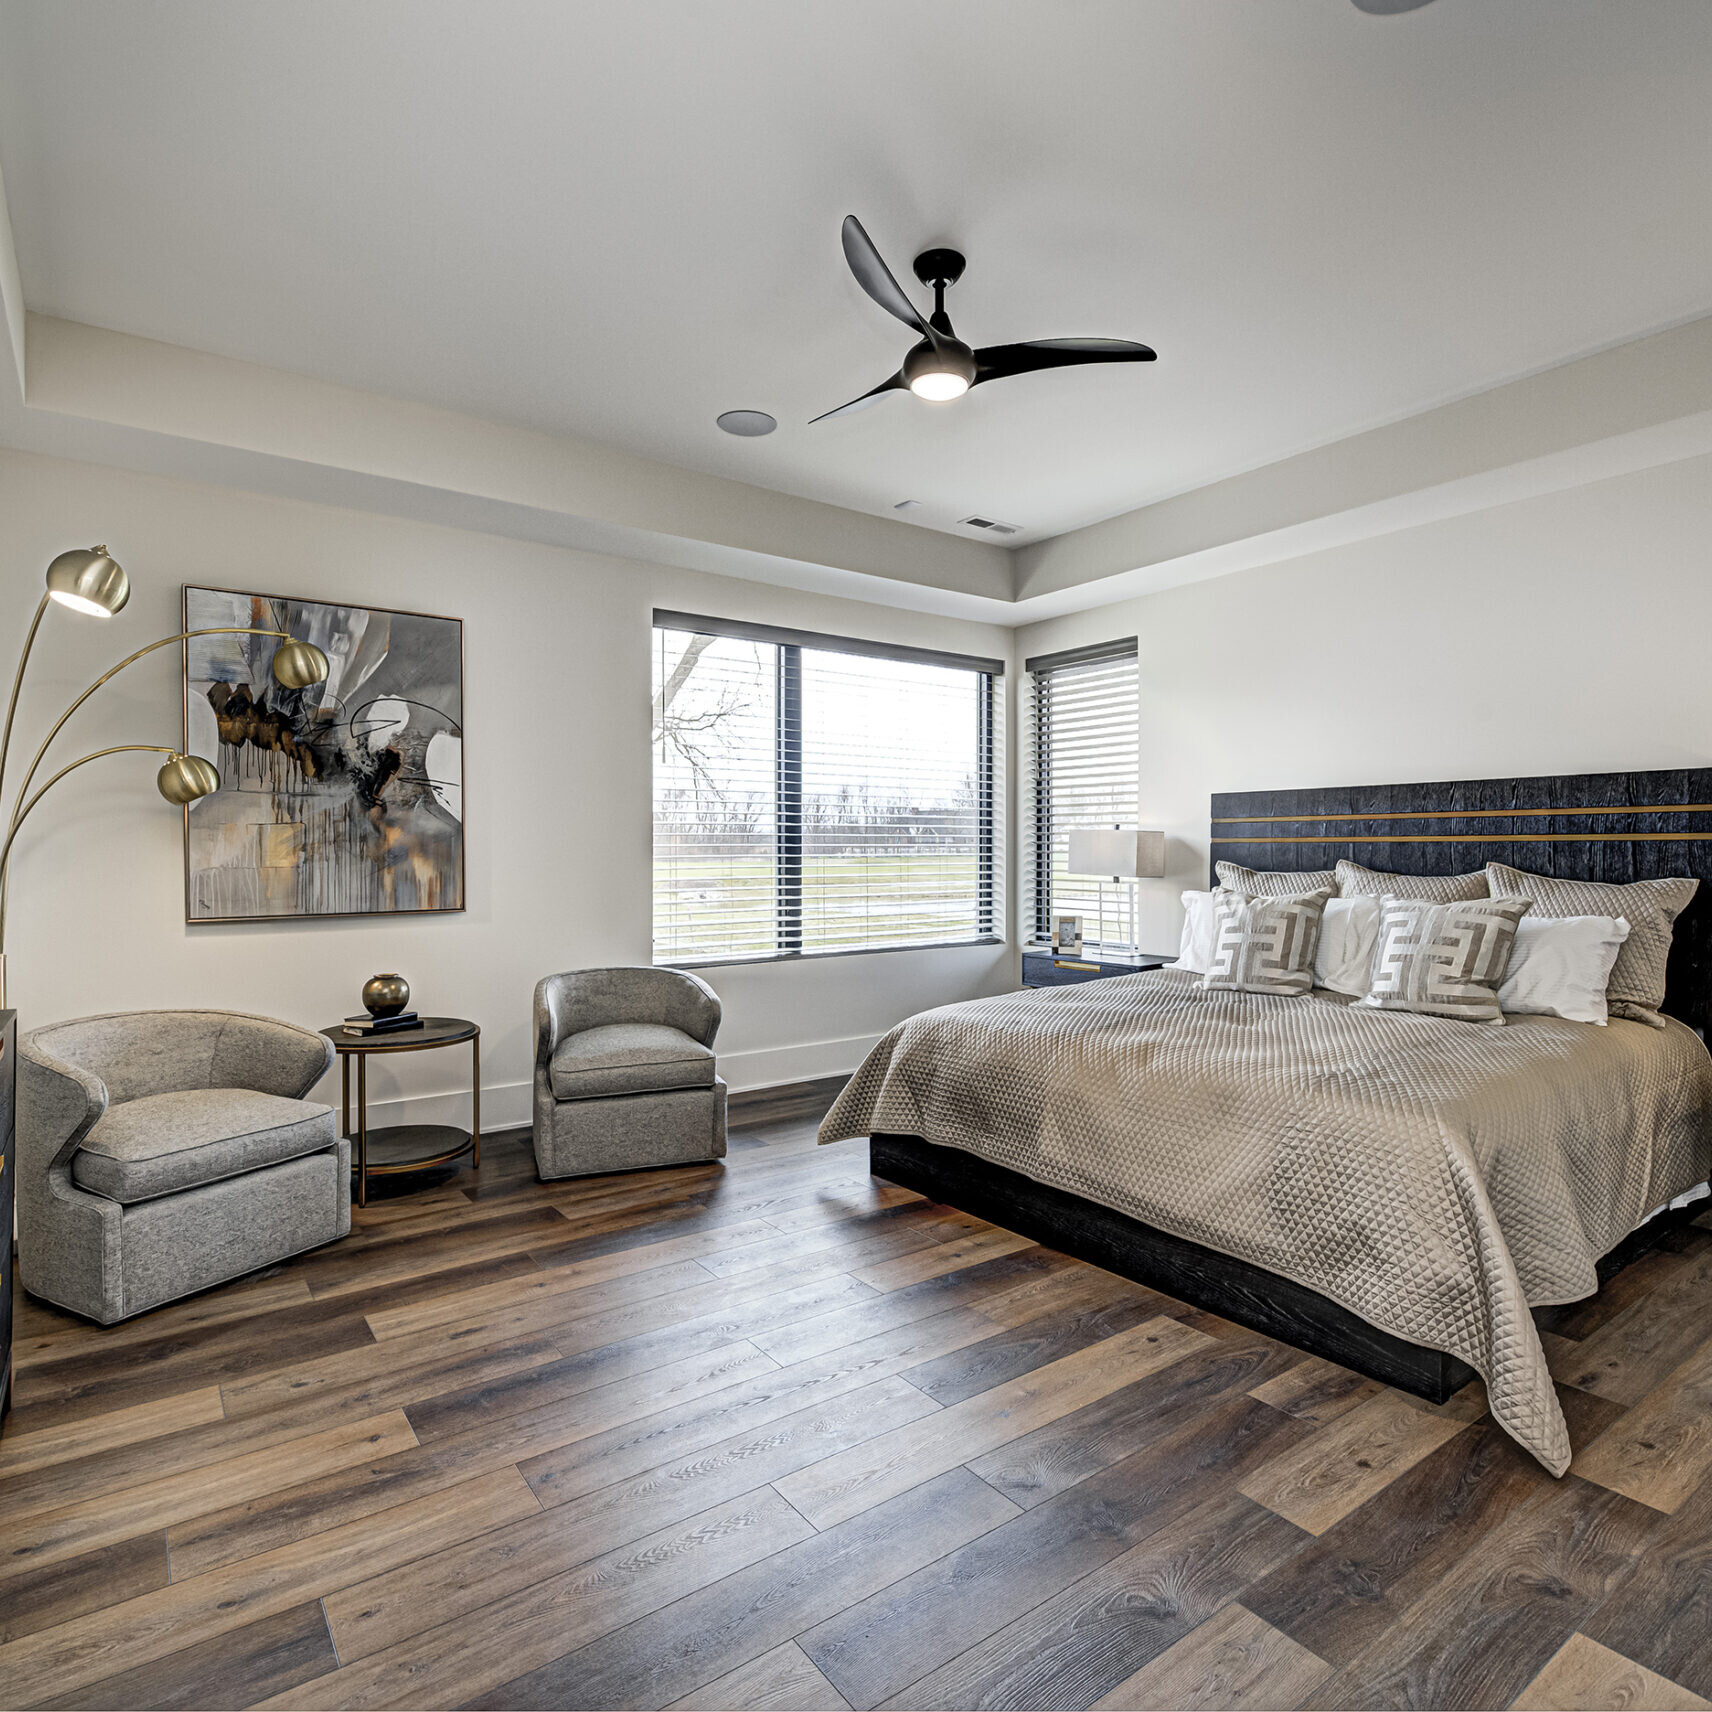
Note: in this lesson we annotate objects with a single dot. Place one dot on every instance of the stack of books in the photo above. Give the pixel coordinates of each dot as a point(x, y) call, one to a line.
point(372, 1025)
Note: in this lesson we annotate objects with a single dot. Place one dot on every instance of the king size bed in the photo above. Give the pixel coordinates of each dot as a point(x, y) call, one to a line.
point(1391, 1190)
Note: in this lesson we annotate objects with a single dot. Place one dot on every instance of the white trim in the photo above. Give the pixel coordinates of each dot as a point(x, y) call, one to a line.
point(505, 1107)
point(11, 298)
point(774, 1066)
point(511, 1104)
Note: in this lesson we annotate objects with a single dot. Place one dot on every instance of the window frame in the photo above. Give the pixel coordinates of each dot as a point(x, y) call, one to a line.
point(788, 787)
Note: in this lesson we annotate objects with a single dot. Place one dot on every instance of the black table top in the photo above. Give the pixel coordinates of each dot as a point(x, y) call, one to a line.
point(435, 1031)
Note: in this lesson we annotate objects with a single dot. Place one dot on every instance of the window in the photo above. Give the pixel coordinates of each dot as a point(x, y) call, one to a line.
point(813, 794)
point(1083, 761)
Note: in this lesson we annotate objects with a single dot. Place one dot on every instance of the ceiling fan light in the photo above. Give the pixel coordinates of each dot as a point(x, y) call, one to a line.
point(939, 372)
point(939, 387)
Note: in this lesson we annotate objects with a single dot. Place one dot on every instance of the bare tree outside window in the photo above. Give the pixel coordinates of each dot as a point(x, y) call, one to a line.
point(890, 832)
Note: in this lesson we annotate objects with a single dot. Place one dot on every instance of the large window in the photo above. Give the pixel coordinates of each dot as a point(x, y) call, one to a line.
point(814, 795)
point(1083, 761)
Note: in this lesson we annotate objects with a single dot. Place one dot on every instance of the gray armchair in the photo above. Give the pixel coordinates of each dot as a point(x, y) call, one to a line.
point(624, 1071)
point(161, 1152)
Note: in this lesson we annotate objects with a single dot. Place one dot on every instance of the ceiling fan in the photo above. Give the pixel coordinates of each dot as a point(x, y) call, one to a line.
point(941, 367)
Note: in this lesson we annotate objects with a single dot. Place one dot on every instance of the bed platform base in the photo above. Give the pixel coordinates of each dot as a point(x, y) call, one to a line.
point(1263, 1301)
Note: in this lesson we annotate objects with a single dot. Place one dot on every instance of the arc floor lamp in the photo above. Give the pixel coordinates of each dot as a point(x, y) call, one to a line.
point(91, 581)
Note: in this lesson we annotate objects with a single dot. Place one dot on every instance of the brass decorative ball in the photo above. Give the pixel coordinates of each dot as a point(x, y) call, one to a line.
point(385, 995)
point(297, 665)
point(186, 779)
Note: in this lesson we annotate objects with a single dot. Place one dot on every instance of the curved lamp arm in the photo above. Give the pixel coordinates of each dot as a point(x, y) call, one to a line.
point(23, 814)
point(112, 672)
point(18, 684)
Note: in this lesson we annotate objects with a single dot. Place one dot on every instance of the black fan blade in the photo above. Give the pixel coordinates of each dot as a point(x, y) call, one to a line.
point(999, 362)
point(895, 384)
point(875, 278)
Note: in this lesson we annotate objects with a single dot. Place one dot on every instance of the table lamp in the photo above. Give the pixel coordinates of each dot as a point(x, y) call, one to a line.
point(1124, 857)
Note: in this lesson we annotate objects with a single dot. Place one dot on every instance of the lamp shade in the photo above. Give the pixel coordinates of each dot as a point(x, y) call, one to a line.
point(297, 665)
point(187, 777)
point(88, 580)
point(1118, 855)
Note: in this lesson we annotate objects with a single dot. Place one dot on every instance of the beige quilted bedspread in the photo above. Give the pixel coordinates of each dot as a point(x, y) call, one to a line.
point(1435, 1177)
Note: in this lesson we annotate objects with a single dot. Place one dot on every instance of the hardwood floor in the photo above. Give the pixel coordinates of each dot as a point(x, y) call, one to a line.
point(775, 1434)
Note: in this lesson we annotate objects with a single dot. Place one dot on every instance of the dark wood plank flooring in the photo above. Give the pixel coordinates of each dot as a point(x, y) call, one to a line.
point(774, 1434)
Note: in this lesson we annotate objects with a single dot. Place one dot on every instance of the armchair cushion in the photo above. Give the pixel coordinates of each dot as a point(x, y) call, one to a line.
point(164, 1143)
point(628, 1058)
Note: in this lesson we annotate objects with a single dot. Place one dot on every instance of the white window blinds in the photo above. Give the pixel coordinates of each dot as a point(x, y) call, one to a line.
point(1082, 767)
point(815, 795)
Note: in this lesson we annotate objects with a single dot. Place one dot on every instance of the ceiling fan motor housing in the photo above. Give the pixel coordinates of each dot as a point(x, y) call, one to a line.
point(951, 357)
point(939, 267)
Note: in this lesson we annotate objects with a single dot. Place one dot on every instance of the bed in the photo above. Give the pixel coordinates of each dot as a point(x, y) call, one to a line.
point(1394, 1192)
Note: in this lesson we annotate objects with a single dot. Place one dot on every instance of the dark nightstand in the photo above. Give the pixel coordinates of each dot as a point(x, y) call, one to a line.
point(1047, 969)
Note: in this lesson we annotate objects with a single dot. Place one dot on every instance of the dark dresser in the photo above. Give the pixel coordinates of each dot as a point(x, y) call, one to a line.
point(1048, 969)
point(8, 1192)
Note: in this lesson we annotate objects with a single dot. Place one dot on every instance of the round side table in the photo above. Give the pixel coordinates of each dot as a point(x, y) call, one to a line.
point(407, 1147)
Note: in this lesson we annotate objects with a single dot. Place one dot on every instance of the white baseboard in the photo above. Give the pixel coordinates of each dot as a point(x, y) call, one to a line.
point(504, 1107)
point(511, 1105)
point(771, 1066)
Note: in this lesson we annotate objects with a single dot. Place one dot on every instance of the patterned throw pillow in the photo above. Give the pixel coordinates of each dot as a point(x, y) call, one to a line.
point(1275, 882)
point(1264, 945)
point(1636, 987)
point(1355, 881)
point(1444, 960)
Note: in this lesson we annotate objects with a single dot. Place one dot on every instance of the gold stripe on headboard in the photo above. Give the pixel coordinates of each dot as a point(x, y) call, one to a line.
point(1483, 838)
point(1459, 814)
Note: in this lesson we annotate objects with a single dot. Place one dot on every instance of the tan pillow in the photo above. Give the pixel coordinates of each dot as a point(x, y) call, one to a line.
point(1636, 987)
point(1355, 881)
point(1264, 944)
point(1444, 960)
point(1275, 882)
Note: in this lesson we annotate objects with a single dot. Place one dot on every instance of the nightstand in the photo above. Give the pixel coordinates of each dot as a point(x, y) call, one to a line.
point(1046, 969)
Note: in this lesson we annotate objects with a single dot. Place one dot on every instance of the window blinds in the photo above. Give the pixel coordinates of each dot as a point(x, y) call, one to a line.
point(810, 798)
point(1083, 762)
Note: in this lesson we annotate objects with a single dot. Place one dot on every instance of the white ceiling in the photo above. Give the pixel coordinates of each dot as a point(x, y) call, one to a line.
point(617, 220)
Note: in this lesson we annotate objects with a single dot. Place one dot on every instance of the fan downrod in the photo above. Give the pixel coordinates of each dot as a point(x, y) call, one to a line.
point(939, 267)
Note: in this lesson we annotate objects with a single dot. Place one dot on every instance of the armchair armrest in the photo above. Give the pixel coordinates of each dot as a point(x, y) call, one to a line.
point(552, 1015)
point(693, 1006)
point(269, 1056)
point(58, 1105)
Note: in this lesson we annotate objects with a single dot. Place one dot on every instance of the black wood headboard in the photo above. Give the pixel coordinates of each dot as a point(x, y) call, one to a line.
point(1576, 826)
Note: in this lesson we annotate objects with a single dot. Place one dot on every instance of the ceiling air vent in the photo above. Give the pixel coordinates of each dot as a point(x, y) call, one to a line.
point(992, 527)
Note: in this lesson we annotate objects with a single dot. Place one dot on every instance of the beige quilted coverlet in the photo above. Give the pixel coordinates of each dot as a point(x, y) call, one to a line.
point(1435, 1177)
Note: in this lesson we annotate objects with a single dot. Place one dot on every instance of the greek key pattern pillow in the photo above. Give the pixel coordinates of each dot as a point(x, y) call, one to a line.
point(1636, 987)
point(1275, 882)
point(1444, 960)
point(1355, 881)
point(1264, 944)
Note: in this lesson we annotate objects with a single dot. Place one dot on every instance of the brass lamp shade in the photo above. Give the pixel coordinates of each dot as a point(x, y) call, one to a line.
point(87, 580)
point(297, 665)
point(185, 778)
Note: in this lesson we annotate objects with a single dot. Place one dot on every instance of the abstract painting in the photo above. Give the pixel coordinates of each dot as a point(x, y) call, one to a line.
point(345, 798)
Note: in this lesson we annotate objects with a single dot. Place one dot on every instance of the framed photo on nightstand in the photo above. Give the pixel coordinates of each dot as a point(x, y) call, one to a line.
point(1067, 935)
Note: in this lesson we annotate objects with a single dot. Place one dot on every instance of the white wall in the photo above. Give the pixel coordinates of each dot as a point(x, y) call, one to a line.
point(557, 774)
point(1564, 634)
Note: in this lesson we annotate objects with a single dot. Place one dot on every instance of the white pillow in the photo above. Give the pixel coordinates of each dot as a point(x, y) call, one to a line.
point(1349, 934)
point(1560, 966)
point(1200, 934)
